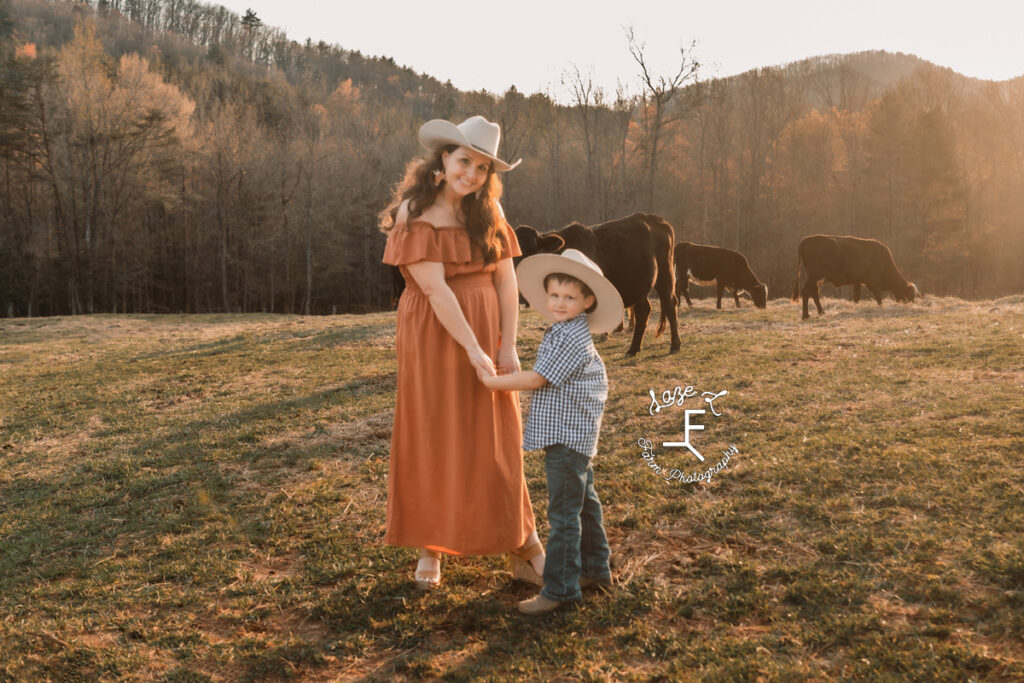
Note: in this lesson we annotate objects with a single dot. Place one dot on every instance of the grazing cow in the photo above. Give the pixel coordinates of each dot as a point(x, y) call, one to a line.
point(635, 254)
point(707, 265)
point(849, 261)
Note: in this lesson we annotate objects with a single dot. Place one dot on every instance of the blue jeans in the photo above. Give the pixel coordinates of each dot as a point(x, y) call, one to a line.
point(576, 544)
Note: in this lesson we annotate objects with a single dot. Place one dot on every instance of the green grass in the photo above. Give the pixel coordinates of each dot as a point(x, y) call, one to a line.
point(202, 498)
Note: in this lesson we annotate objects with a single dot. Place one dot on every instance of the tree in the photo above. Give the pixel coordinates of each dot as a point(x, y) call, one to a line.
point(105, 132)
point(250, 24)
point(656, 96)
point(716, 139)
point(250, 21)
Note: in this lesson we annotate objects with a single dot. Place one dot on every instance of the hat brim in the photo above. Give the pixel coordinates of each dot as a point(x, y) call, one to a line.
point(434, 134)
point(533, 269)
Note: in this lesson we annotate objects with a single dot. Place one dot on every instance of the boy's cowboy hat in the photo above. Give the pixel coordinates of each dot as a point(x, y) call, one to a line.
point(476, 133)
point(533, 269)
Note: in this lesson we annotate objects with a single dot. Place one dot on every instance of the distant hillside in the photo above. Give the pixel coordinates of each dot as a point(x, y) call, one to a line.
point(192, 32)
point(166, 155)
point(195, 33)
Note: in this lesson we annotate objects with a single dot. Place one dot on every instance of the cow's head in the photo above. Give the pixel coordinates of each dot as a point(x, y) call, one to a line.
point(760, 295)
point(532, 242)
point(906, 295)
point(578, 236)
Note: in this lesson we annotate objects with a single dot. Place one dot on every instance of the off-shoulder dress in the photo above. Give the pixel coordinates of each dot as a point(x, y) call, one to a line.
point(455, 477)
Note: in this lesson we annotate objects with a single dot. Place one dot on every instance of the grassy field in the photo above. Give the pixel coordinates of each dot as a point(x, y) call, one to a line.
point(202, 498)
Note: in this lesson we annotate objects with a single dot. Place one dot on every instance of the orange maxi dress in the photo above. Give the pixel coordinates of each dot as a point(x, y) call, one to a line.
point(455, 477)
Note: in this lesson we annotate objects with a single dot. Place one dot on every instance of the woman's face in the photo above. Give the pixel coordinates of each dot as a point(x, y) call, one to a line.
point(465, 170)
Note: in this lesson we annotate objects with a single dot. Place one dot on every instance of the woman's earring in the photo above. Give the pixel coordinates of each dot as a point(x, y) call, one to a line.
point(438, 177)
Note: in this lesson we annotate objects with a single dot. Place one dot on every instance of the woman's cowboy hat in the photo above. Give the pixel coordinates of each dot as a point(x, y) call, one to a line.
point(476, 133)
point(532, 271)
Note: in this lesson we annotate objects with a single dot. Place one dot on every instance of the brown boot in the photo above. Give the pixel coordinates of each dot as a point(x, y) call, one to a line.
point(604, 584)
point(538, 604)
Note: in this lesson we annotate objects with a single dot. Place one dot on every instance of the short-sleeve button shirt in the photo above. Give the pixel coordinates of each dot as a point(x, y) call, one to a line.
point(568, 409)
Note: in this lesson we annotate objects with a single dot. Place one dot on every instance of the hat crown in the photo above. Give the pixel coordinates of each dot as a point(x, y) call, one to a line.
point(483, 135)
point(582, 259)
point(476, 133)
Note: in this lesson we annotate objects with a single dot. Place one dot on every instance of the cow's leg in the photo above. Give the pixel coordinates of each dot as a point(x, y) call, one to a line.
point(736, 296)
point(812, 288)
point(856, 292)
point(668, 301)
point(668, 305)
point(641, 313)
point(817, 297)
point(720, 289)
point(683, 287)
point(877, 293)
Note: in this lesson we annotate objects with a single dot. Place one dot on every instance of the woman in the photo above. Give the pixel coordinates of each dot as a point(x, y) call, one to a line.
point(455, 481)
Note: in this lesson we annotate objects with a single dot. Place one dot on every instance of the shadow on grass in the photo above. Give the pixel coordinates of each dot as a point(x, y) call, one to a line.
point(159, 485)
point(463, 632)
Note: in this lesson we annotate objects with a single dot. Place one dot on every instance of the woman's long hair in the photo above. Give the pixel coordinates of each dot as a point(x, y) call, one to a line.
point(480, 211)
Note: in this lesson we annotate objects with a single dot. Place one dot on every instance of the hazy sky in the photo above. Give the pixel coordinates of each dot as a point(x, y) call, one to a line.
point(531, 43)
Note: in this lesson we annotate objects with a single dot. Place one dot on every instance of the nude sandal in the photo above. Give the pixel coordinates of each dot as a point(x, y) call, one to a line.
point(428, 574)
point(522, 570)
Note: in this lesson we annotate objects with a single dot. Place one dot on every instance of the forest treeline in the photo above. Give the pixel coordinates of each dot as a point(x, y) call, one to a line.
point(171, 156)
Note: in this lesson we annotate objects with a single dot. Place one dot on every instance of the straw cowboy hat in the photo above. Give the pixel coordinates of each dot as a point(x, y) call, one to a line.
point(532, 271)
point(476, 133)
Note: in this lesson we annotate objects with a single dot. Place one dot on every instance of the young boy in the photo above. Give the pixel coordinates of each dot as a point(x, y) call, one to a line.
point(570, 388)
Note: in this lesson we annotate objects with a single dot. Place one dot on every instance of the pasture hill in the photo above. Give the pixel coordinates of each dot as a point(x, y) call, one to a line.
point(202, 498)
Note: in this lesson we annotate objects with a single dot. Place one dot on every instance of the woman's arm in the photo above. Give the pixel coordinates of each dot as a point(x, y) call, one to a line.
point(429, 277)
point(508, 305)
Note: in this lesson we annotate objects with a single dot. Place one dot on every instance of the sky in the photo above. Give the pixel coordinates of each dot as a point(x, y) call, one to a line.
point(532, 44)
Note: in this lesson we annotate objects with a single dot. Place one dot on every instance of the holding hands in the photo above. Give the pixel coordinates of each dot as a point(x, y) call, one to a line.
point(508, 360)
point(482, 363)
point(489, 381)
point(519, 380)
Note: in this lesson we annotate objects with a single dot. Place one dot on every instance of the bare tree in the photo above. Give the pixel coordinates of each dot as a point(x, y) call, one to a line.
point(656, 96)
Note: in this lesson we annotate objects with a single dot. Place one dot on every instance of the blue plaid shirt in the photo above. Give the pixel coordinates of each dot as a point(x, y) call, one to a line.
point(567, 410)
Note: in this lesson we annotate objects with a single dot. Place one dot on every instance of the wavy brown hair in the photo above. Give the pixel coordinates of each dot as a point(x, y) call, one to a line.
point(481, 214)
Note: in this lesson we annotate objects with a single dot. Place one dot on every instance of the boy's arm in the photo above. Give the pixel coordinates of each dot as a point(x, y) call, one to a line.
point(526, 380)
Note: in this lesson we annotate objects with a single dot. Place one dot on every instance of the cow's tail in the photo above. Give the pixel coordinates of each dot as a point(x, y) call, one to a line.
point(796, 285)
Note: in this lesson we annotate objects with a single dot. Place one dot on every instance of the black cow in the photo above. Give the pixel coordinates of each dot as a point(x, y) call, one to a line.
point(849, 261)
point(397, 284)
point(707, 265)
point(635, 254)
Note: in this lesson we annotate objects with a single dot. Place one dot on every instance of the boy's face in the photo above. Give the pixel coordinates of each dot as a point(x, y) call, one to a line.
point(566, 300)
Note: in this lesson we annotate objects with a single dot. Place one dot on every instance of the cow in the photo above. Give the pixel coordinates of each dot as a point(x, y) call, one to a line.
point(635, 254)
point(843, 260)
point(397, 284)
point(707, 265)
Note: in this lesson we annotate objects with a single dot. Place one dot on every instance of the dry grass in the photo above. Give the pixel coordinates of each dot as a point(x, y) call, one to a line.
point(202, 498)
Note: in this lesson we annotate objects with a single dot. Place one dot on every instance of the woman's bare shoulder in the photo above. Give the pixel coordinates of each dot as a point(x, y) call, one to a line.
point(403, 212)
